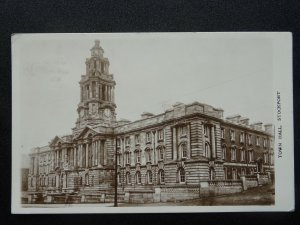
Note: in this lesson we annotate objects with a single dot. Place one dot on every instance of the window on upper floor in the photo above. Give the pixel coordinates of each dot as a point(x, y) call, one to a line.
point(232, 135)
point(118, 142)
point(184, 150)
point(224, 152)
point(233, 154)
point(127, 141)
point(183, 130)
point(257, 141)
point(205, 130)
point(137, 139)
point(148, 154)
point(250, 158)
point(266, 158)
point(161, 153)
point(249, 139)
point(127, 157)
point(222, 133)
point(160, 134)
point(207, 150)
point(243, 155)
point(137, 156)
point(242, 137)
point(265, 143)
point(148, 137)
point(119, 159)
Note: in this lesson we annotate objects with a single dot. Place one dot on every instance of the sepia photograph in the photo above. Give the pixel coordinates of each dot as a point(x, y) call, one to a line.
point(172, 122)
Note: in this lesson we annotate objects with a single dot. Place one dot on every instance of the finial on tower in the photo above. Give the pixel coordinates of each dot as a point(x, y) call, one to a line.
point(96, 49)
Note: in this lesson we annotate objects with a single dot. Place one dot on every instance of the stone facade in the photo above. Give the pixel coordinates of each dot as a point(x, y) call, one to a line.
point(187, 151)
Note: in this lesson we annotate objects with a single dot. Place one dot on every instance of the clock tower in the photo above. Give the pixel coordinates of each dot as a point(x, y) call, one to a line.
point(97, 86)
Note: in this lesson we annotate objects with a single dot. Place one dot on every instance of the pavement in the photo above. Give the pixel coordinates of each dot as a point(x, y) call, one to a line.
point(263, 195)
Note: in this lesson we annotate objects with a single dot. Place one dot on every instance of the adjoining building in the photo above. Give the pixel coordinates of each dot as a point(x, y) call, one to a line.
point(186, 152)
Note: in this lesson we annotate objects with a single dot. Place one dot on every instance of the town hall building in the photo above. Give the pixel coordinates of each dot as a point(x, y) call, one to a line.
point(187, 151)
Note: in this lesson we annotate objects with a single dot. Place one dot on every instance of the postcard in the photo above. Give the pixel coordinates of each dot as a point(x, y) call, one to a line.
point(152, 122)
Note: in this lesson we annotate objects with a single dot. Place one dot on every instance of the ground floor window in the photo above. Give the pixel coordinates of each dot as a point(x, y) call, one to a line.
point(161, 176)
point(234, 174)
point(181, 175)
point(128, 178)
point(149, 177)
point(138, 177)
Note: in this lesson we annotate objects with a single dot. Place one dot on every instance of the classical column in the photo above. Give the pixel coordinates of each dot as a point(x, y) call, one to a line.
point(113, 94)
point(174, 143)
point(109, 93)
point(86, 155)
point(213, 142)
point(105, 89)
point(100, 92)
point(96, 153)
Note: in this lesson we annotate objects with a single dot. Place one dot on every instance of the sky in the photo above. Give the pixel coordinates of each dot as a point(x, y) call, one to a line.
point(152, 72)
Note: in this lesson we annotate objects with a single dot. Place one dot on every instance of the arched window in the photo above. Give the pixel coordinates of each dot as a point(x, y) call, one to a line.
point(207, 150)
point(184, 150)
point(128, 178)
point(161, 177)
point(181, 174)
point(138, 177)
point(149, 177)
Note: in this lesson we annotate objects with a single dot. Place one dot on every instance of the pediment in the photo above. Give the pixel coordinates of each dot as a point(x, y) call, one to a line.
point(86, 133)
point(55, 141)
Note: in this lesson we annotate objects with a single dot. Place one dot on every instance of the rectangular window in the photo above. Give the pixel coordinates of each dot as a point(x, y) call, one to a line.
point(127, 141)
point(265, 158)
point(242, 137)
point(160, 135)
point(118, 142)
point(242, 155)
point(183, 130)
point(257, 141)
point(265, 143)
point(137, 139)
point(205, 130)
point(232, 135)
point(222, 133)
point(250, 139)
point(250, 156)
point(148, 137)
point(233, 154)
